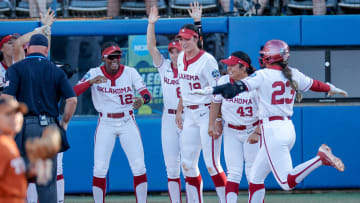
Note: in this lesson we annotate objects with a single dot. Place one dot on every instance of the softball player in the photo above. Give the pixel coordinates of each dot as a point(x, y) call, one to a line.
point(112, 91)
point(197, 69)
point(276, 86)
point(241, 131)
point(170, 134)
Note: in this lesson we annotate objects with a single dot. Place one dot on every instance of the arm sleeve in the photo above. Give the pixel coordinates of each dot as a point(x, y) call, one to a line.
point(65, 88)
point(211, 72)
point(84, 84)
point(318, 86)
point(11, 81)
point(253, 81)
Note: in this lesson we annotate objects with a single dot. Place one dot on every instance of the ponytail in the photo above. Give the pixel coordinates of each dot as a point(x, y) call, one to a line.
point(293, 84)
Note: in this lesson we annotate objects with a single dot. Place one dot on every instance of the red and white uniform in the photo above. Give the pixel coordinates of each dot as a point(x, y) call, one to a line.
point(199, 72)
point(113, 100)
point(276, 100)
point(170, 134)
point(241, 119)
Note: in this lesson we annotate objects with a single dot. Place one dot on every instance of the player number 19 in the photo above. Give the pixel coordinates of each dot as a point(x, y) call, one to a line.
point(194, 85)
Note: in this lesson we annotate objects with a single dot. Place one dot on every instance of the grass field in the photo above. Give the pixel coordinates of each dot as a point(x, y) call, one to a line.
point(333, 196)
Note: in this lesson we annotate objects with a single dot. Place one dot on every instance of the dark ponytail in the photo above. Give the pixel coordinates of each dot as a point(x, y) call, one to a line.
point(194, 28)
point(293, 84)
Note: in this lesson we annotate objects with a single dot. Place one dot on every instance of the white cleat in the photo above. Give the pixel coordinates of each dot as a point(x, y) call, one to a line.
point(329, 159)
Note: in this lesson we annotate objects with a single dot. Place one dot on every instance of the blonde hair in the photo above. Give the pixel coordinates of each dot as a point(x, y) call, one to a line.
point(293, 84)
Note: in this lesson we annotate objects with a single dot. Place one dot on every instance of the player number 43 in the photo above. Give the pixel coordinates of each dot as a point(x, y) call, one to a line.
point(247, 111)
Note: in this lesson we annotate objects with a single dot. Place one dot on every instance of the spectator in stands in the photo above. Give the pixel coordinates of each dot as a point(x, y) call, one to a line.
point(38, 7)
point(225, 4)
point(319, 7)
point(114, 6)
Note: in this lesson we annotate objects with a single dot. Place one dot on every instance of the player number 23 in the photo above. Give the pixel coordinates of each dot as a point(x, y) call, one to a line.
point(277, 96)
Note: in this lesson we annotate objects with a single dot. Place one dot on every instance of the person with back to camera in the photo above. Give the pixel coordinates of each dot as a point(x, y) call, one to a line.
point(241, 129)
point(277, 86)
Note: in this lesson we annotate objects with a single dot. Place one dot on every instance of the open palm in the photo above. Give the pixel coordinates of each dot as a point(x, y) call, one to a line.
point(154, 15)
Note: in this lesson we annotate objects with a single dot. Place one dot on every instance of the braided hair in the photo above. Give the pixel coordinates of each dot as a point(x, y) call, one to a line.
point(288, 75)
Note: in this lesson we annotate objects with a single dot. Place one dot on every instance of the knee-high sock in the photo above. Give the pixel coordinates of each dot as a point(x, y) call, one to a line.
point(256, 193)
point(174, 187)
point(220, 182)
point(31, 196)
point(60, 188)
point(99, 189)
point(194, 191)
point(301, 171)
point(232, 191)
point(140, 188)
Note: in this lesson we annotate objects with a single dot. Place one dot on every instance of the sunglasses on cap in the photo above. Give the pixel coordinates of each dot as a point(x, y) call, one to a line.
point(113, 56)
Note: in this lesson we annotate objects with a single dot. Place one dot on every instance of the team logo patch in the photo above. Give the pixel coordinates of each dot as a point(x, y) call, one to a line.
point(215, 74)
point(86, 77)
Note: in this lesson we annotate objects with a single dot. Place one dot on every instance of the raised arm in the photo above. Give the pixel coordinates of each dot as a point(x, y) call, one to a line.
point(47, 21)
point(195, 12)
point(150, 36)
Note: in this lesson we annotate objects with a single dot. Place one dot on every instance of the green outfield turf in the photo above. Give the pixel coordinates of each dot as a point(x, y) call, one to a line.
point(271, 197)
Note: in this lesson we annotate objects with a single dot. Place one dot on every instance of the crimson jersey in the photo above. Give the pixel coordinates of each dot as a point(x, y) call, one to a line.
point(196, 73)
point(276, 98)
point(240, 110)
point(116, 94)
point(169, 83)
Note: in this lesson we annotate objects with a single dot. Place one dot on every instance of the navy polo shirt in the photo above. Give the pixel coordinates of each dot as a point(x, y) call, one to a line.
point(38, 83)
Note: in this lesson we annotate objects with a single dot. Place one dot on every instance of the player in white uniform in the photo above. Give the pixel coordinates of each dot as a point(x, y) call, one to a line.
point(197, 69)
point(170, 134)
point(276, 86)
point(112, 90)
point(241, 131)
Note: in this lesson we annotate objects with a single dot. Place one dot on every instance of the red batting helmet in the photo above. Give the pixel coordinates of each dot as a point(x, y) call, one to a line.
point(274, 51)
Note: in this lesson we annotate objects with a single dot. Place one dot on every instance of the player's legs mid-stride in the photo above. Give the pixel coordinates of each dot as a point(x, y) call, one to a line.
point(194, 137)
point(278, 139)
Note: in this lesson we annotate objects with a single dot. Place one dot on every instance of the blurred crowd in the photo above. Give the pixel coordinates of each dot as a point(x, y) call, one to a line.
point(174, 8)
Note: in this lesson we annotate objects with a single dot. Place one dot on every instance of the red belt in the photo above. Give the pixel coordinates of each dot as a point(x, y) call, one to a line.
point(116, 115)
point(241, 127)
point(196, 106)
point(172, 111)
point(274, 118)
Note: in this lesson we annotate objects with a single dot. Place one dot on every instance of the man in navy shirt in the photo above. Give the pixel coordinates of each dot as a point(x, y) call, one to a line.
point(40, 84)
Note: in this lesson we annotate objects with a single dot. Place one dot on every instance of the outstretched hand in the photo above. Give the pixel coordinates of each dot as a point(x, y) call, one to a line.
point(335, 90)
point(195, 11)
point(153, 16)
point(49, 17)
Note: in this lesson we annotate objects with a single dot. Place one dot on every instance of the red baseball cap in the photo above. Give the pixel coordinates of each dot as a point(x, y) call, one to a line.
point(187, 33)
point(174, 44)
point(8, 38)
point(111, 50)
point(233, 60)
